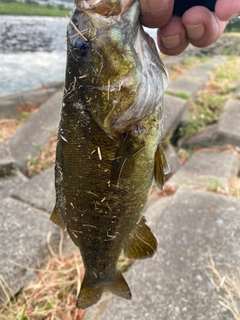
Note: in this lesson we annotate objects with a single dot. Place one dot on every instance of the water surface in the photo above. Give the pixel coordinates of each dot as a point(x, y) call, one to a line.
point(32, 52)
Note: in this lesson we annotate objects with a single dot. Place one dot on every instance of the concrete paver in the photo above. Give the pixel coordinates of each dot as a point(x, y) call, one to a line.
point(36, 132)
point(226, 131)
point(9, 182)
point(23, 248)
point(174, 110)
point(199, 73)
point(205, 139)
point(174, 283)
point(39, 191)
point(185, 85)
point(172, 159)
point(9, 104)
point(228, 126)
point(207, 169)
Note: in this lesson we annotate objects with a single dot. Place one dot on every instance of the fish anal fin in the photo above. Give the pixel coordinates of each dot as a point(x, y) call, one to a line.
point(91, 294)
point(161, 167)
point(141, 243)
point(56, 218)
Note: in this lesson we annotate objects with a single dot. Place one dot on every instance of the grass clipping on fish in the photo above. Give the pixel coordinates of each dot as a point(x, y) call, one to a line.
point(53, 295)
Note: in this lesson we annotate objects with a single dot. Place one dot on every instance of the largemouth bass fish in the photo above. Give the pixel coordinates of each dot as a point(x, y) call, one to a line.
point(108, 142)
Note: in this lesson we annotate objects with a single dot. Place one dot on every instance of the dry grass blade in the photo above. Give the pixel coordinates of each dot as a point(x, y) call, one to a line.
point(226, 281)
point(44, 160)
point(7, 129)
point(53, 295)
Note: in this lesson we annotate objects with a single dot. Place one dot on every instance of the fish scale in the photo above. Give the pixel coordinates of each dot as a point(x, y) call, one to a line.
point(108, 149)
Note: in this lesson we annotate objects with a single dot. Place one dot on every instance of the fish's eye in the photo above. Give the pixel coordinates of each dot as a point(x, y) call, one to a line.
point(80, 46)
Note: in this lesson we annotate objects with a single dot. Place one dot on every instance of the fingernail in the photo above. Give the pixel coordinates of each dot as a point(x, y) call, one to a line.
point(196, 32)
point(171, 42)
point(156, 6)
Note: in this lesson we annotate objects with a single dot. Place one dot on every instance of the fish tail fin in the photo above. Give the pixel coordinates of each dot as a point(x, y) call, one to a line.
point(88, 294)
point(91, 294)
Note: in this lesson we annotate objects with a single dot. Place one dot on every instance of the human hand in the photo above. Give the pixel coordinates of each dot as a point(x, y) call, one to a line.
point(197, 26)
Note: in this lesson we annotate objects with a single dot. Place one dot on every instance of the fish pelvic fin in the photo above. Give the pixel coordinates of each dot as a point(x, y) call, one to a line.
point(161, 167)
point(141, 243)
point(91, 294)
point(56, 218)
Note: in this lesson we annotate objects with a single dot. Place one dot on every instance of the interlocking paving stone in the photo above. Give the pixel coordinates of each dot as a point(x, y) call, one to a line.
point(172, 159)
point(9, 182)
point(23, 248)
point(199, 73)
point(185, 85)
point(228, 131)
point(174, 283)
point(174, 109)
point(39, 191)
point(9, 104)
point(204, 139)
point(28, 141)
point(207, 169)
point(195, 79)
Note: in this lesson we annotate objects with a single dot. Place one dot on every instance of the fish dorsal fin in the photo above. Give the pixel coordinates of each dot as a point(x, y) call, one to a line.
point(56, 218)
point(141, 243)
point(161, 167)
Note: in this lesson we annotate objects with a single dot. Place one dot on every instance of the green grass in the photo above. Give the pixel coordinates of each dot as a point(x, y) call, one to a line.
point(210, 102)
point(180, 94)
point(11, 7)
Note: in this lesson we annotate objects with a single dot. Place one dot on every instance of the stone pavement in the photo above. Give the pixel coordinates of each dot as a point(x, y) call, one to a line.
point(175, 284)
point(191, 225)
point(207, 169)
point(226, 131)
point(36, 132)
point(9, 104)
point(24, 248)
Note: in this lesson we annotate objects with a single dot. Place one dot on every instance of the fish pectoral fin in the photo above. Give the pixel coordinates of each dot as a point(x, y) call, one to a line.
point(123, 154)
point(56, 218)
point(141, 243)
point(91, 294)
point(161, 167)
point(120, 287)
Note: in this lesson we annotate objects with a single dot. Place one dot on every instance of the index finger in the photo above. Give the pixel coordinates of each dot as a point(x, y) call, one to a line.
point(156, 13)
point(227, 10)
